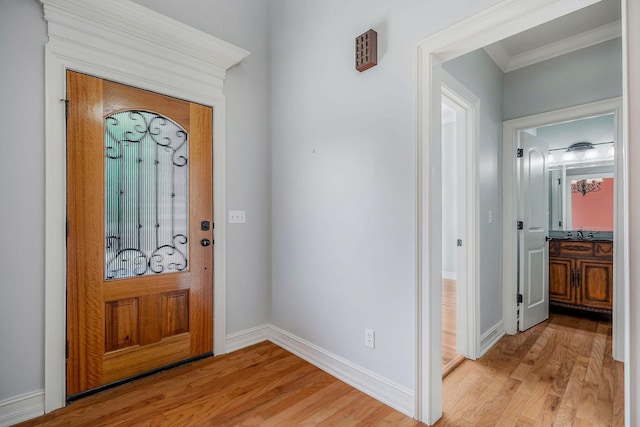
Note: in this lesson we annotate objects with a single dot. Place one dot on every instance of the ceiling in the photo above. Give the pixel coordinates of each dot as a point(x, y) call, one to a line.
point(586, 27)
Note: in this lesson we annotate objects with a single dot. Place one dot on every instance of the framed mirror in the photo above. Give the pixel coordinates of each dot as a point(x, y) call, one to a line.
point(581, 175)
point(581, 198)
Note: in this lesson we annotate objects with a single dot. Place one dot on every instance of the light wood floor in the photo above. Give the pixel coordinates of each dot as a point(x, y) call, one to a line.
point(262, 385)
point(557, 373)
point(448, 321)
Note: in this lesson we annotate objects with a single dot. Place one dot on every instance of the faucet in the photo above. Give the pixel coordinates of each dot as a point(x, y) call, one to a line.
point(580, 235)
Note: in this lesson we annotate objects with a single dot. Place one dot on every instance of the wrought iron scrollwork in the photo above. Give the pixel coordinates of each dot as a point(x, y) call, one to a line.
point(146, 182)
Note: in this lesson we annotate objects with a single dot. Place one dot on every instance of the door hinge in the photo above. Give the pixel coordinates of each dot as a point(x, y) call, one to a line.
point(459, 242)
point(520, 299)
point(520, 152)
point(66, 108)
point(559, 223)
point(520, 225)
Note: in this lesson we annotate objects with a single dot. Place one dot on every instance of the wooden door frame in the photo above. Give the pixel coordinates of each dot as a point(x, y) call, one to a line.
point(500, 21)
point(510, 130)
point(113, 43)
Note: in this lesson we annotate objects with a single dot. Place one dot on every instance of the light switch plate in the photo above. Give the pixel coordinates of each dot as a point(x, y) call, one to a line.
point(237, 217)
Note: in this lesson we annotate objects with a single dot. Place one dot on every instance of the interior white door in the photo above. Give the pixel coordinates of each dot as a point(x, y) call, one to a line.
point(534, 249)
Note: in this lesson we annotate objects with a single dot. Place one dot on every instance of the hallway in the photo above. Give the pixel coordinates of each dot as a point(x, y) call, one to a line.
point(559, 372)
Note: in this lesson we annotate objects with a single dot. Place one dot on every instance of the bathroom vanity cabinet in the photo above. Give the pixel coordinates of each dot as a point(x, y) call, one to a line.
point(581, 274)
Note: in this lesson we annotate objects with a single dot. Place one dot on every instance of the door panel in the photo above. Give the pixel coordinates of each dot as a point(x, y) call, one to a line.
point(139, 184)
point(596, 283)
point(534, 251)
point(560, 285)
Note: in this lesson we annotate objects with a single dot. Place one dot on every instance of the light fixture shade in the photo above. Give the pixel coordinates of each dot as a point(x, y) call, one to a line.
point(569, 156)
point(612, 151)
point(591, 153)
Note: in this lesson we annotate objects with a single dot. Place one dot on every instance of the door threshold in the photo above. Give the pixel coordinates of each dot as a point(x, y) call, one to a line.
point(453, 364)
point(104, 387)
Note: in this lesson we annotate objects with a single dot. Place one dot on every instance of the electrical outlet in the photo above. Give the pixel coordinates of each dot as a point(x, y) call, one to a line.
point(370, 338)
point(237, 217)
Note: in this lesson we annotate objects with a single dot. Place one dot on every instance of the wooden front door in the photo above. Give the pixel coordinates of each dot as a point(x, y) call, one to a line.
point(139, 246)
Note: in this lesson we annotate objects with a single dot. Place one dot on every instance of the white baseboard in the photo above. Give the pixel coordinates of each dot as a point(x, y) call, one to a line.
point(387, 392)
point(21, 408)
point(491, 337)
point(451, 275)
point(248, 337)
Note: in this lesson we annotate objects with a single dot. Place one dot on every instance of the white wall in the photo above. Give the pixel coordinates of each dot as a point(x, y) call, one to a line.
point(481, 76)
point(22, 37)
point(344, 183)
point(587, 75)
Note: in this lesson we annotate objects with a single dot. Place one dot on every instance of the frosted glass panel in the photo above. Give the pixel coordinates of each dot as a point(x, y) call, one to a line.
point(146, 188)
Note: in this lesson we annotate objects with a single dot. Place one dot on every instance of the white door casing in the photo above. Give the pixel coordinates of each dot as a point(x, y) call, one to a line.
point(124, 42)
point(534, 249)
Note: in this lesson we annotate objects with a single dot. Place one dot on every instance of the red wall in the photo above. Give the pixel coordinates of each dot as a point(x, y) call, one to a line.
point(593, 211)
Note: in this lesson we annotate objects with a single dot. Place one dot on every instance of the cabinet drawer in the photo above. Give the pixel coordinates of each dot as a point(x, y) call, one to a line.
point(576, 248)
point(603, 249)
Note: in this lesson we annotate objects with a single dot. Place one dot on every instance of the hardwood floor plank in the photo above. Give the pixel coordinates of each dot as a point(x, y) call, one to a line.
point(299, 411)
point(566, 416)
point(588, 398)
point(618, 394)
point(449, 322)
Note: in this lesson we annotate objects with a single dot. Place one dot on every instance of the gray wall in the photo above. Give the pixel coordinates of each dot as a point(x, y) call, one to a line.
point(594, 129)
point(344, 183)
point(22, 36)
point(481, 76)
point(587, 75)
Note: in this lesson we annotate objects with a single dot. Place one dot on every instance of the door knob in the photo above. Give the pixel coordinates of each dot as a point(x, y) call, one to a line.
point(205, 242)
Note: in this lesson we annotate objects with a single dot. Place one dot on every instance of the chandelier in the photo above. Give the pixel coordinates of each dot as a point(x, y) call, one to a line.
point(585, 186)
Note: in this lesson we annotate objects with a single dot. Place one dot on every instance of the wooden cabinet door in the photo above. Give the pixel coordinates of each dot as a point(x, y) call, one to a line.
point(139, 257)
point(560, 289)
point(596, 284)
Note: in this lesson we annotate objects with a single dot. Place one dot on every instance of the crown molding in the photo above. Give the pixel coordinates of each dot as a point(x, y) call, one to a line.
point(570, 44)
point(499, 55)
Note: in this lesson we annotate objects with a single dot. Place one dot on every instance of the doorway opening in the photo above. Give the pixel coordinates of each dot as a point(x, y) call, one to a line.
point(602, 119)
point(459, 225)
